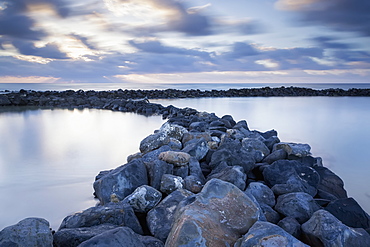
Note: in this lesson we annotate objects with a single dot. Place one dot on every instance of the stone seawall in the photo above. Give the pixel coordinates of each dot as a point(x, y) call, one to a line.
point(201, 180)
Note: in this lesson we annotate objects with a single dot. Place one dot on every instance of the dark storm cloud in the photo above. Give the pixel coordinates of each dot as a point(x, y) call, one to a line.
point(341, 15)
point(48, 51)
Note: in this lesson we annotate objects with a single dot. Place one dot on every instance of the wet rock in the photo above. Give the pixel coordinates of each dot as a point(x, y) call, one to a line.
point(262, 193)
point(298, 205)
point(217, 216)
point(161, 217)
point(349, 212)
point(251, 144)
point(330, 182)
point(232, 174)
point(119, 214)
point(144, 198)
point(4, 100)
point(291, 226)
point(175, 158)
point(267, 234)
point(295, 149)
point(118, 237)
point(72, 237)
point(121, 181)
point(32, 232)
point(170, 183)
point(323, 229)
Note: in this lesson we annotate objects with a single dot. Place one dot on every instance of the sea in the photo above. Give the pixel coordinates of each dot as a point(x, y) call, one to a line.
point(49, 157)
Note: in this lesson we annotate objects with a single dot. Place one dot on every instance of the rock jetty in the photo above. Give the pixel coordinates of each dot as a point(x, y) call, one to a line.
point(203, 180)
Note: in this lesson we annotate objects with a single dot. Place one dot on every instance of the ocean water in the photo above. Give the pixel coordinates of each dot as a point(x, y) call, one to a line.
point(49, 158)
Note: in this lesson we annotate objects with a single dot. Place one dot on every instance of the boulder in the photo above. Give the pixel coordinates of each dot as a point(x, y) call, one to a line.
point(291, 226)
point(154, 141)
point(298, 205)
point(173, 130)
point(181, 171)
point(193, 184)
point(4, 100)
point(30, 232)
point(144, 198)
point(294, 184)
point(269, 235)
point(196, 170)
point(330, 182)
point(295, 149)
point(231, 174)
point(161, 217)
point(217, 216)
point(72, 237)
point(119, 214)
point(270, 214)
point(251, 144)
point(150, 241)
point(274, 156)
point(197, 148)
point(349, 212)
point(156, 169)
point(323, 229)
point(262, 193)
point(170, 183)
point(175, 158)
point(121, 181)
point(292, 173)
point(118, 237)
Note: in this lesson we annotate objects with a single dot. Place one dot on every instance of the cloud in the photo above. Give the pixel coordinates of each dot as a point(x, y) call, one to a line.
point(340, 15)
point(48, 51)
point(329, 42)
point(241, 49)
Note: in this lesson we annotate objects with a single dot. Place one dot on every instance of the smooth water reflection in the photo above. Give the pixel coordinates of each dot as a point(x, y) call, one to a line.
point(49, 158)
point(337, 129)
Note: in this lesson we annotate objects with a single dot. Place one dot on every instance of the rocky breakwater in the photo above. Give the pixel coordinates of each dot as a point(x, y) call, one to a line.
point(202, 180)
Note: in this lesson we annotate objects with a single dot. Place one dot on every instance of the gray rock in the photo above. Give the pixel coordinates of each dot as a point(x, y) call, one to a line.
point(298, 205)
point(121, 181)
point(268, 235)
point(262, 193)
point(173, 130)
point(270, 214)
point(174, 144)
point(199, 126)
point(161, 217)
point(330, 182)
point(134, 156)
point(274, 156)
point(292, 173)
point(251, 144)
point(4, 100)
point(295, 149)
point(197, 148)
point(175, 158)
point(271, 141)
point(144, 198)
point(193, 184)
point(181, 171)
point(152, 156)
point(231, 174)
point(294, 184)
point(349, 212)
point(72, 237)
point(118, 237)
point(154, 141)
point(119, 214)
point(241, 124)
point(150, 241)
point(30, 232)
point(323, 229)
point(170, 183)
point(156, 169)
point(196, 170)
point(217, 216)
point(291, 226)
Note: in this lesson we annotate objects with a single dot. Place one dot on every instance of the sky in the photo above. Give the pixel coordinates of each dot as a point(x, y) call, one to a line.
point(184, 41)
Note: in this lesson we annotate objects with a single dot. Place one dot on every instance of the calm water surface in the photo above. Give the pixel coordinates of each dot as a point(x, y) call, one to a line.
point(49, 158)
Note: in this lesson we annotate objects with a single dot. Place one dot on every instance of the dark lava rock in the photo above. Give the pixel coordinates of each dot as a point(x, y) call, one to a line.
point(330, 182)
point(291, 225)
